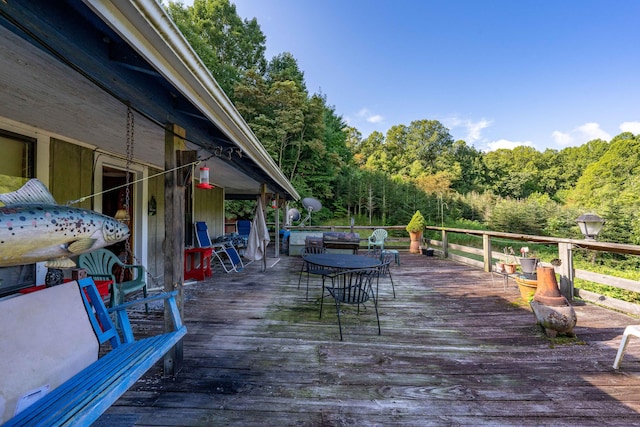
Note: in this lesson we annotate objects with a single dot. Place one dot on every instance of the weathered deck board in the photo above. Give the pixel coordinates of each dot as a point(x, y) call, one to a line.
point(454, 350)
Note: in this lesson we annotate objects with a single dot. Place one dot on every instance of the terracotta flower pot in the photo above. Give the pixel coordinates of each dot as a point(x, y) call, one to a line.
point(527, 287)
point(510, 268)
point(416, 238)
point(548, 292)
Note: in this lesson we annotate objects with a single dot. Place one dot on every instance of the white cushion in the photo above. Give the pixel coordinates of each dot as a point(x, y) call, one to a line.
point(45, 339)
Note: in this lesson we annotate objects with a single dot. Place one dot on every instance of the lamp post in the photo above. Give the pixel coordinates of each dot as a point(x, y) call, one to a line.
point(590, 225)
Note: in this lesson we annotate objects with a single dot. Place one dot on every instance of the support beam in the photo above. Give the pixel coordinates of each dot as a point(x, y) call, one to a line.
point(486, 246)
point(173, 245)
point(277, 217)
point(566, 270)
point(263, 196)
point(445, 244)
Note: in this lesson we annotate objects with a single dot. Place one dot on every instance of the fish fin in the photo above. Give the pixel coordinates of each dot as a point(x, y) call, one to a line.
point(60, 263)
point(33, 191)
point(80, 245)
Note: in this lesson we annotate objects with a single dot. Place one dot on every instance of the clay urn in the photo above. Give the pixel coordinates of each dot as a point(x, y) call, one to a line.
point(548, 292)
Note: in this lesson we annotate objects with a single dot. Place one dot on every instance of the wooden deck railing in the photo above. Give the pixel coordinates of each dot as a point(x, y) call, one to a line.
point(485, 256)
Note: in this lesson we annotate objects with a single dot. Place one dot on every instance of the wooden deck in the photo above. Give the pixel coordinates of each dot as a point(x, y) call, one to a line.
point(454, 350)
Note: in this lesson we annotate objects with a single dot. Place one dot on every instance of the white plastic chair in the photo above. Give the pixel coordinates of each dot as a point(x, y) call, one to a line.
point(628, 332)
point(377, 238)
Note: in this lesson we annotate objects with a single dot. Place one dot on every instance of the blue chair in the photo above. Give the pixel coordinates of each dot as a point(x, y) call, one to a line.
point(225, 252)
point(244, 229)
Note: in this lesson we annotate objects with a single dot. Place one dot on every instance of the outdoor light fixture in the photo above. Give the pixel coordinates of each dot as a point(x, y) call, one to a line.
point(122, 215)
point(153, 206)
point(204, 179)
point(590, 225)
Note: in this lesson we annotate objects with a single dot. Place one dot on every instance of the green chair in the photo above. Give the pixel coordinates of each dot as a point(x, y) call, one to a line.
point(100, 264)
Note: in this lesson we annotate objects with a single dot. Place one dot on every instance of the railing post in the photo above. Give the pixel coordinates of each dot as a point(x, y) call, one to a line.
point(565, 269)
point(445, 244)
point(486, 247)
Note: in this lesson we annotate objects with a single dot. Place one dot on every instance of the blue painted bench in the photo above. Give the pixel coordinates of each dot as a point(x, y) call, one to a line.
point(82, 398)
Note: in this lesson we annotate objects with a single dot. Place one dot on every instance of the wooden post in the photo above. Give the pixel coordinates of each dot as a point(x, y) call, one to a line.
point(277, 236)
point(486, 247)
point(445, 244)
point(565, 269)
point(263, 196)
point(173, 245)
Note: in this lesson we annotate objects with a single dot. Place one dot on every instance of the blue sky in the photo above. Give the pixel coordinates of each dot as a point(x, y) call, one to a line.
point(497, 73)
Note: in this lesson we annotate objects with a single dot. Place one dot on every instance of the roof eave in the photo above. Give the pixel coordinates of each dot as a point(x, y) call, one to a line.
point(145, 25)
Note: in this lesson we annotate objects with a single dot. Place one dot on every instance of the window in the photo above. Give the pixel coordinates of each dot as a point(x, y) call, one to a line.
point(17, 166)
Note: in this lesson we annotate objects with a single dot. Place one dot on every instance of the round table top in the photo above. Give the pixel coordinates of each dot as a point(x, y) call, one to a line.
point(343, 261)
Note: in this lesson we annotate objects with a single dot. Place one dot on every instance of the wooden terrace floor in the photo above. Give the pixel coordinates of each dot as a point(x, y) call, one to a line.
point(454, 350)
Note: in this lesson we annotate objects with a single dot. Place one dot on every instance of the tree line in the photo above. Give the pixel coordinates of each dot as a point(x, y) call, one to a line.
point(382, 179)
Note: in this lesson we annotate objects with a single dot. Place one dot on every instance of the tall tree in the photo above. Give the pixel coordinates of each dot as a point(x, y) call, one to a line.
point(228, 45)
point(429, 142)
point(472, 170)
point(605, 179)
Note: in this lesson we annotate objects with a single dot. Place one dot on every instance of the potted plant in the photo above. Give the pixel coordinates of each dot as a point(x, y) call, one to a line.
point(528, 261)
point(415, 229)
point(509, 267)
point(526, 286)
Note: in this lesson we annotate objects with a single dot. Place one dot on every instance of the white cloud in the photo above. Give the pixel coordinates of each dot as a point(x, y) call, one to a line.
point(475, 128)
point(592, 131)
point(562, 138)
point(582, 134)
point(472, 129)
point(505, 143)
point(633, 127)
point(367, 115)
point(363, 113)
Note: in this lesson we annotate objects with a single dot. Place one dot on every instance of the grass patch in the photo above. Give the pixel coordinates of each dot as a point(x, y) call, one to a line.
point(306, 312)
point(564, 340)
point(608, 291)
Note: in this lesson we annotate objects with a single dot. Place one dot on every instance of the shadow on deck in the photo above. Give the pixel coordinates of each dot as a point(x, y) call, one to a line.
point(454, 350)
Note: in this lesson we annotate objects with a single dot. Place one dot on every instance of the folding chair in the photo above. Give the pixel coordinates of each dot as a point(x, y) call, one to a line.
point(225, 252)
point(228, 256)
point(244, 229)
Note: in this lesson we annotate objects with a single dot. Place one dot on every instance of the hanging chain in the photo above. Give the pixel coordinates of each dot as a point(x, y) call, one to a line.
point(127, 190)
point(131, 258)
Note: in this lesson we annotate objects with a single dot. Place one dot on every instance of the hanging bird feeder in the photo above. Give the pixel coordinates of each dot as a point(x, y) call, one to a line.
point(204, 179)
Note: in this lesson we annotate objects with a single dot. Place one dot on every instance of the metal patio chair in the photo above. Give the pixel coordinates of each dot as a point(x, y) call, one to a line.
point(353, 287)
point(311, 268)
point(386, 258)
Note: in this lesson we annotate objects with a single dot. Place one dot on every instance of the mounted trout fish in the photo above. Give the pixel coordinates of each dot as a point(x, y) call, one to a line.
point(33, 228)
